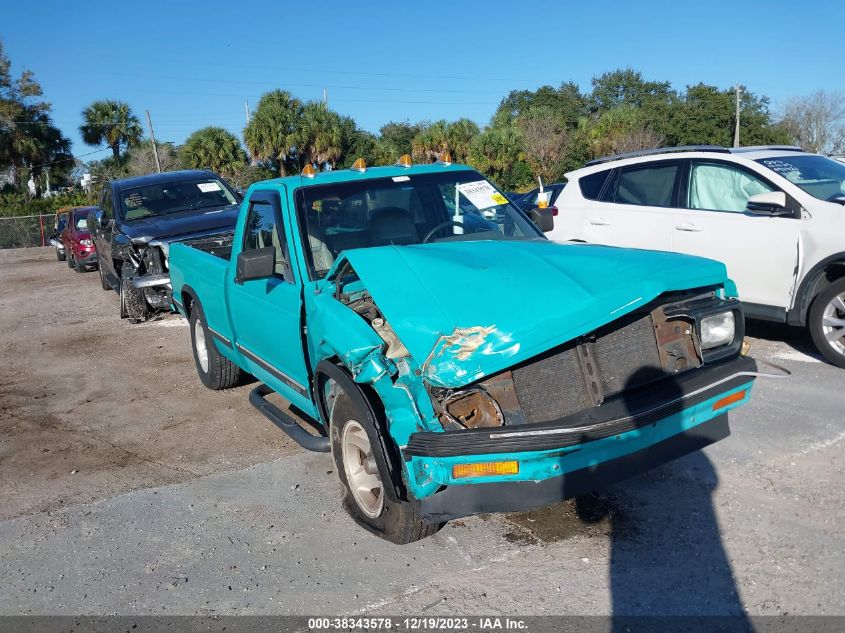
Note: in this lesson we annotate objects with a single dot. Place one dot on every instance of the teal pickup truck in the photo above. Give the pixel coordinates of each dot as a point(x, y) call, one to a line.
point(452, 359)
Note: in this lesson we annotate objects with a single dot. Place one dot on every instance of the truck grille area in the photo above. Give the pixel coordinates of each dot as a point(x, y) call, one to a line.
point(582, 375)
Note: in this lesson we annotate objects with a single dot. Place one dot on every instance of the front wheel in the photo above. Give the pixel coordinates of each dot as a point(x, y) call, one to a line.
point(60, 255)
point(104, 284)
point(133, 305)
point(369, 495)
point(215, 370)
point(827, 322)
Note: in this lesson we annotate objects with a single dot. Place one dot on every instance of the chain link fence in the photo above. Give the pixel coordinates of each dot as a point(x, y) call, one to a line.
point(26, 230)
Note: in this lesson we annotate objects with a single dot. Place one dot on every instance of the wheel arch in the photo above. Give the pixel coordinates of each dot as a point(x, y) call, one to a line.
point(820, 277)
point(366, 397)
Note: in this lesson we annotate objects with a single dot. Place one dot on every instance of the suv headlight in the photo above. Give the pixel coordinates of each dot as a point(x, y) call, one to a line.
point(86, 242)
point(717, 330)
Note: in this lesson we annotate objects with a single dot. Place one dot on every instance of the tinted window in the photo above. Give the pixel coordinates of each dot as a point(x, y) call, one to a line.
point(106, 204)
point(158, 199)
point(592, 185)
point(260, 231)
point(722, 187)
point(651, 185)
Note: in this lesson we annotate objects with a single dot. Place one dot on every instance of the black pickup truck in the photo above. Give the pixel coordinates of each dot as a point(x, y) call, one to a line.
point(138, 218)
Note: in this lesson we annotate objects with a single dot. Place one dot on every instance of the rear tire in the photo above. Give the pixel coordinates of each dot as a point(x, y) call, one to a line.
point(369, 494)
point(214, 370)
point(103, 283)
point(60, 255)
point(69, 260)
point(133, 305)
point(827, 322)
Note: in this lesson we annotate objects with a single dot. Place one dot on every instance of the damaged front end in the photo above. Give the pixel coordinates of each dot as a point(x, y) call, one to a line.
point(472, 413)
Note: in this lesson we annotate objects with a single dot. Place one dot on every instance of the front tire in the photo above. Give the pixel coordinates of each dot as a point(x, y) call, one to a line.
point(133, 305)
point(69, 260)
point(60, 255)
point(103, 283)
point(369, 495)
point(827, 322)
point(214, 370)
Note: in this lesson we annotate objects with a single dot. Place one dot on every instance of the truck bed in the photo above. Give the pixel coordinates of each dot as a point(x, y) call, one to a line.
point(219, 245)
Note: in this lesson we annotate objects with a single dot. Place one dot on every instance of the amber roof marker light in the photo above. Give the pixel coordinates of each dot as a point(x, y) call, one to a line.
point(359, 165)
point(405, 161)
point(308, 171)
point(445, 159)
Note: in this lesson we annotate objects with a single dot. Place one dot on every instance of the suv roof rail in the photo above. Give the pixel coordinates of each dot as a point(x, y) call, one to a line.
point(757, 148)
point(660, 150)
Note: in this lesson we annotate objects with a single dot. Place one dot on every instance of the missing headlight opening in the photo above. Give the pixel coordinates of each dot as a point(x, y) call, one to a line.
point(471, 409)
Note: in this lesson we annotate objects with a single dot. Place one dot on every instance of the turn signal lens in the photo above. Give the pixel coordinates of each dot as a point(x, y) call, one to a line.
point(405, 160)
point(308, 171)
point(729, 400)
point(485, 469)
point(359, 165)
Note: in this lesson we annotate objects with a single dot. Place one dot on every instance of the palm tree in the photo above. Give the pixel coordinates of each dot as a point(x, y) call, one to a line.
point(319, 135)
point(431, 142)
point(270, 134)
point(213, 148)
point(111, 123)
point(459, 136)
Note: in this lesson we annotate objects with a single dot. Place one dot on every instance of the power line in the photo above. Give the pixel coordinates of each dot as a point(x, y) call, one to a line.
point(69, 158)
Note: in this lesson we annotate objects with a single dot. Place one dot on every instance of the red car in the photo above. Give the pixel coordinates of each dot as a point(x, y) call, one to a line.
point(79, 249)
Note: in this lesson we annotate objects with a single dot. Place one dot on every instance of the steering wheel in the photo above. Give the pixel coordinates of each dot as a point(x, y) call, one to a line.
point(443, 225)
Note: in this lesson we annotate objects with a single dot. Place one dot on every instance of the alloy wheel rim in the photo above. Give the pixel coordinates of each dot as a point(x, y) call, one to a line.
point(200, 346)
point(361, 470)
point(833, 323)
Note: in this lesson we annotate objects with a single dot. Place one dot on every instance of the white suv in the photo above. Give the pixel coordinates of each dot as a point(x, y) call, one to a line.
point(774, 215)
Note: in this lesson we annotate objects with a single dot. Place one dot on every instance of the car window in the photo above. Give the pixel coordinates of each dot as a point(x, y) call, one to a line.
point(81, 222)
point(649, 185)
point(592, 185)
point(106, 204)
point(260, 231)
point(722, 187)
point(176, 196)
point(819, 176)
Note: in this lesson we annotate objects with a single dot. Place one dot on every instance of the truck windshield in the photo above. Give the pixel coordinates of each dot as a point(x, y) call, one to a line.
point(172, 197)
point(821, 177)
point(412, 209)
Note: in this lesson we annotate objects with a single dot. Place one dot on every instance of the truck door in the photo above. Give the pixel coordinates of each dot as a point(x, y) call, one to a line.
point(102, 235)
point(266, 313)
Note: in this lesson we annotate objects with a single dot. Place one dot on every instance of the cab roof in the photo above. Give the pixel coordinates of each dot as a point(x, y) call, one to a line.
point(351, 175)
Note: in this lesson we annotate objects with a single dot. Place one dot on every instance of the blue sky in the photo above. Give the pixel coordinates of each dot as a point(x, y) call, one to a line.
point(194, 64)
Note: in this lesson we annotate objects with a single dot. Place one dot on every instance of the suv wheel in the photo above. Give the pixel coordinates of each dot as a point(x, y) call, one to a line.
point(60, 255)
point(827, 322)
point(215, 370)
point(369, 494)
point(133, 305)
point(103, 283)
point(69, 260)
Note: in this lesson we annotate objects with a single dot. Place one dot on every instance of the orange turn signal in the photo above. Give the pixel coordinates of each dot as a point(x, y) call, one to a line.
point(445, 159)
point(308, 171)
point(729, 400)
point(405, 160)
point(485, 469)
point(359, 165)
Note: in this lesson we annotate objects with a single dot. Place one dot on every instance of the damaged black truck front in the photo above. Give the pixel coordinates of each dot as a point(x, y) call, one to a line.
point(137, 220)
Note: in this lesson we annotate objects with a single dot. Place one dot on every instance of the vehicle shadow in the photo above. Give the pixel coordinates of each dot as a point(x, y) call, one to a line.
point(667, 557)
point(794, 337)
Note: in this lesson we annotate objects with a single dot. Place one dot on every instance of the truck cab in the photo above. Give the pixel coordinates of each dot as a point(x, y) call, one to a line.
point(451, 358)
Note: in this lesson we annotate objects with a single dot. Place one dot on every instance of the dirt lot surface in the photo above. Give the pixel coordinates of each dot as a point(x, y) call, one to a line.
point(128, 488)
point(92, 405)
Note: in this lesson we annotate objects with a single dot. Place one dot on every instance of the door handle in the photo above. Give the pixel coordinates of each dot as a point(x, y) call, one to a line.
point(599, 222)
point(689, 228)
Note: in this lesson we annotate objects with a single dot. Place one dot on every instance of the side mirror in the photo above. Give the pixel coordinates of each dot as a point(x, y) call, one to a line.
point(258, 263)
point(771, 203)
point(543, 218)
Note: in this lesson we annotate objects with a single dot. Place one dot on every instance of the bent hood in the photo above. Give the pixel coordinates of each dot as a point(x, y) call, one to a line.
point(142, 230)
point(465, 310)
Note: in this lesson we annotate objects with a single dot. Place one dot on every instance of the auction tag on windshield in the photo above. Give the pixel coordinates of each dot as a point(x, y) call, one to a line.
point(206, 187)
point(481, 194)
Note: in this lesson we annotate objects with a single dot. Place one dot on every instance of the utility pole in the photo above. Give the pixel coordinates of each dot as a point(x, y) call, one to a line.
point(246, 109)
point(736, 129)
point(153, 138)
point(325, 98)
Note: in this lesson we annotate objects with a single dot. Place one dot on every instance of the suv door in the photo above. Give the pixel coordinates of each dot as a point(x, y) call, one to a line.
point(761, 252)
point(266, 313)
point(635, 207)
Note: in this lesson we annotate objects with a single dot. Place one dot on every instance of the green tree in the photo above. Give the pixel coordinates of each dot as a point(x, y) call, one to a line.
point(566, 102)
point(271, 132)
point(213, 148)
point(544, 140)
point(111, 123)
point(395, 140)
point(318, 136)
point(430, 142)
point(497, 153)
point(459, 137)
point(627, 86)
point(356, 143)
point(28, 138)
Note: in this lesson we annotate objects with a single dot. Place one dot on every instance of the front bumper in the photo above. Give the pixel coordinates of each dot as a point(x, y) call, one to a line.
point(86, 259)
point(581, 452)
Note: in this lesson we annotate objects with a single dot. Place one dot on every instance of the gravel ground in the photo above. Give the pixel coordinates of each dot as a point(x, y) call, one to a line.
point(128, 488)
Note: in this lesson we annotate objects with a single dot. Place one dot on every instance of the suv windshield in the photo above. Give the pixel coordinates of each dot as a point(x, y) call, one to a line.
point(819, 176)
point(172, 197)
point(80, 221)
point(412, 209)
